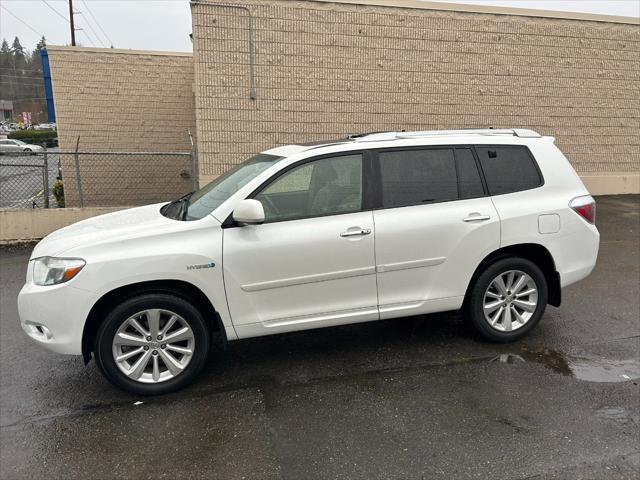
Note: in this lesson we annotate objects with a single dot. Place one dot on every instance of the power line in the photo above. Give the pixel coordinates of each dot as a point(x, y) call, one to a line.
point(86, 5)
point(15, 82)
point(56, 11)
point(17, 99)
point(21, 21)
point(87, 35)
point(18, 76)
point(25, 84)
point(94, 32)
point(30, 85)
point(25, 80)
point(20, 69)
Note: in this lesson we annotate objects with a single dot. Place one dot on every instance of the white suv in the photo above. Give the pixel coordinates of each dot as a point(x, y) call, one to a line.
point(377, 226)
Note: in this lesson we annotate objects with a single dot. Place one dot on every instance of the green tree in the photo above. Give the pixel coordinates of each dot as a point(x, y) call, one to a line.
point(42, 44)
point(21, 76)
point(19, 54)
point(7, 86)
point(5, 54)
point(17, 48)
point(6, 59)
point(35, 57)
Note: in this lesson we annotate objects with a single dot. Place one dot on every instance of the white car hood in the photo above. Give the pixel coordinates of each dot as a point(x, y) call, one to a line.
point(117, 226)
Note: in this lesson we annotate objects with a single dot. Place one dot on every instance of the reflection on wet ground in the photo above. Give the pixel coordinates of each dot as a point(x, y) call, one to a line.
point(603, 370)
point(590, 368)
point(619, 414)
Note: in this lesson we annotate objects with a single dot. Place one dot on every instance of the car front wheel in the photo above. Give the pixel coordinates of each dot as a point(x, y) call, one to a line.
point(508, 299)
point(152, 344)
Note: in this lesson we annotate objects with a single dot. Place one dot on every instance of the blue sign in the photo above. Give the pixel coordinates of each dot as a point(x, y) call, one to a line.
point(48, 89)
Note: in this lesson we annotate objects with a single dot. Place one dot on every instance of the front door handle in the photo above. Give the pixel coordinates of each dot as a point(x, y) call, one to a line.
point(476, 217)
point(356, 233)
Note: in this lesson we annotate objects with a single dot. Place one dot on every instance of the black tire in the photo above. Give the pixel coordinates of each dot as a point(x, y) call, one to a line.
point(28, 150)
point(475, 308)
point(113, 321)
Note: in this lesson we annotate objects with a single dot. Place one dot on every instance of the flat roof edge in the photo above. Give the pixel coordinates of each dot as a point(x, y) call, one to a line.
point(116, 51)
point(495, 10)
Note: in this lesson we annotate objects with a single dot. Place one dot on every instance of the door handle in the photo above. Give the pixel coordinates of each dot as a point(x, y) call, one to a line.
point(476, 218)
point(356, 233)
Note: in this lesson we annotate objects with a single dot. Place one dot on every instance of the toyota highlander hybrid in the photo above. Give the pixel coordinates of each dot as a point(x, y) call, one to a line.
point(376, 226)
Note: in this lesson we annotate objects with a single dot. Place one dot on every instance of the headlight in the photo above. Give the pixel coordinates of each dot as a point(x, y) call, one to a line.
point(51, 271)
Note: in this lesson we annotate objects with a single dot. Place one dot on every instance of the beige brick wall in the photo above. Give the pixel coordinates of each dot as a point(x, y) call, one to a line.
point(123, 101)
point(325, 70)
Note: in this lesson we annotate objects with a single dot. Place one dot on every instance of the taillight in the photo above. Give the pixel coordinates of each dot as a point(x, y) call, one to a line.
point(585, 206)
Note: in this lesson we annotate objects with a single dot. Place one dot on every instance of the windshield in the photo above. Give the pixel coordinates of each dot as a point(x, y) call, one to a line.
point(207, 199)
point(19, 142)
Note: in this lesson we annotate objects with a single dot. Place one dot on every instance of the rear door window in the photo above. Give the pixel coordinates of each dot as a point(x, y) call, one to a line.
point(417, 177)
point(508, 169)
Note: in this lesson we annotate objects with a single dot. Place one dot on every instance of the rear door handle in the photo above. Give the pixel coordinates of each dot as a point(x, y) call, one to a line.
point(356, 233)
point(476, 218)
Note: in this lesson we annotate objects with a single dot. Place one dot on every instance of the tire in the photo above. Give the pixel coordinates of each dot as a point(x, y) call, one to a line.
point(525, 307)
point(27, 150)
point(171, 369)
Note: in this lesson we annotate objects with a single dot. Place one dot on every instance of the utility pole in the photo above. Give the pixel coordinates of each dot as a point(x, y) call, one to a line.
point(73, 28)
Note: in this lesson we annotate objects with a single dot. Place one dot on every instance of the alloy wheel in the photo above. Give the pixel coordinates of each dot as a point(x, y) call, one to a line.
point(510, 301)
point(153, 346)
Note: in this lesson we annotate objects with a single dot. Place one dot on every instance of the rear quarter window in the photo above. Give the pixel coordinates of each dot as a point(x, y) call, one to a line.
point(508, 169)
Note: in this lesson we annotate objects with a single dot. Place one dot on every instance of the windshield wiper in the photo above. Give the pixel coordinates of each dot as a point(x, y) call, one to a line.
point(185, 201)
point(178, 208)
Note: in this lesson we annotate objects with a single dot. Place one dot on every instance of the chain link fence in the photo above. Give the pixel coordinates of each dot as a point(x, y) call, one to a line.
point(55, 179)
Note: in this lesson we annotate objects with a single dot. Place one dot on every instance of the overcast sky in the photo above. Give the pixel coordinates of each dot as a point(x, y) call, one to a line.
point(166, 24)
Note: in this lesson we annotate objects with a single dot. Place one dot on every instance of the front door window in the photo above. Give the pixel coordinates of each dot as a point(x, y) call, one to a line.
point(329, 186)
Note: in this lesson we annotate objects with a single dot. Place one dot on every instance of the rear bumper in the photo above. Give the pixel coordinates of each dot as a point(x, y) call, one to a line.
point(54, 316)
point(575, 255)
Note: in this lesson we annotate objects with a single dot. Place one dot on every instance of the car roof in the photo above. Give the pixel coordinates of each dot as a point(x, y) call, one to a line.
point(391, 137)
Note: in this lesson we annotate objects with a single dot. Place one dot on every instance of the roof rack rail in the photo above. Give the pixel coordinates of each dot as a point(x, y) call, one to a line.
point(355, 136)
point(517, 132)
point(382, 136)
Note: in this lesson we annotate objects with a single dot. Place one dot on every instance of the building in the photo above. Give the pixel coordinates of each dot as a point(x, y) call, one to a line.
point(35, 110)
point(6, 111)
point(110, 100)
point(324, 69)
point(271, 72)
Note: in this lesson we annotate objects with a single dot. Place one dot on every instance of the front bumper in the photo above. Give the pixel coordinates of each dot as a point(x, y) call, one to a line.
point(54, 316)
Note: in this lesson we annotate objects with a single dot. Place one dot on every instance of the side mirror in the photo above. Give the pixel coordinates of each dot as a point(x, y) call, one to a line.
point(249, 212)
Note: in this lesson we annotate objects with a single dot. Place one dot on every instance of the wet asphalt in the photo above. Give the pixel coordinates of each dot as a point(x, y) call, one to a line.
point(418, 397)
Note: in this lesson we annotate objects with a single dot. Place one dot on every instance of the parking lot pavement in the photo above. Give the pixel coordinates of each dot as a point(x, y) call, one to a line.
point(417, 397)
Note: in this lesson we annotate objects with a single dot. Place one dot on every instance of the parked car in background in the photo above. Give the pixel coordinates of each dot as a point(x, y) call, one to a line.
point(377, 226)
point(6, 127)
point(45, 126)
point(8, 146)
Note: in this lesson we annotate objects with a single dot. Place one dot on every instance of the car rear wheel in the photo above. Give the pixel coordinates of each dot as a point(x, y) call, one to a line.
point(152, 344)
point(508, 299)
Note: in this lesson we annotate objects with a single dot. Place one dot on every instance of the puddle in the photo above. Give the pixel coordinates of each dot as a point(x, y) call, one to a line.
point(601, 370)
point(508, 358)
point(551, 359)
point(619, 414)
point(585, 367)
